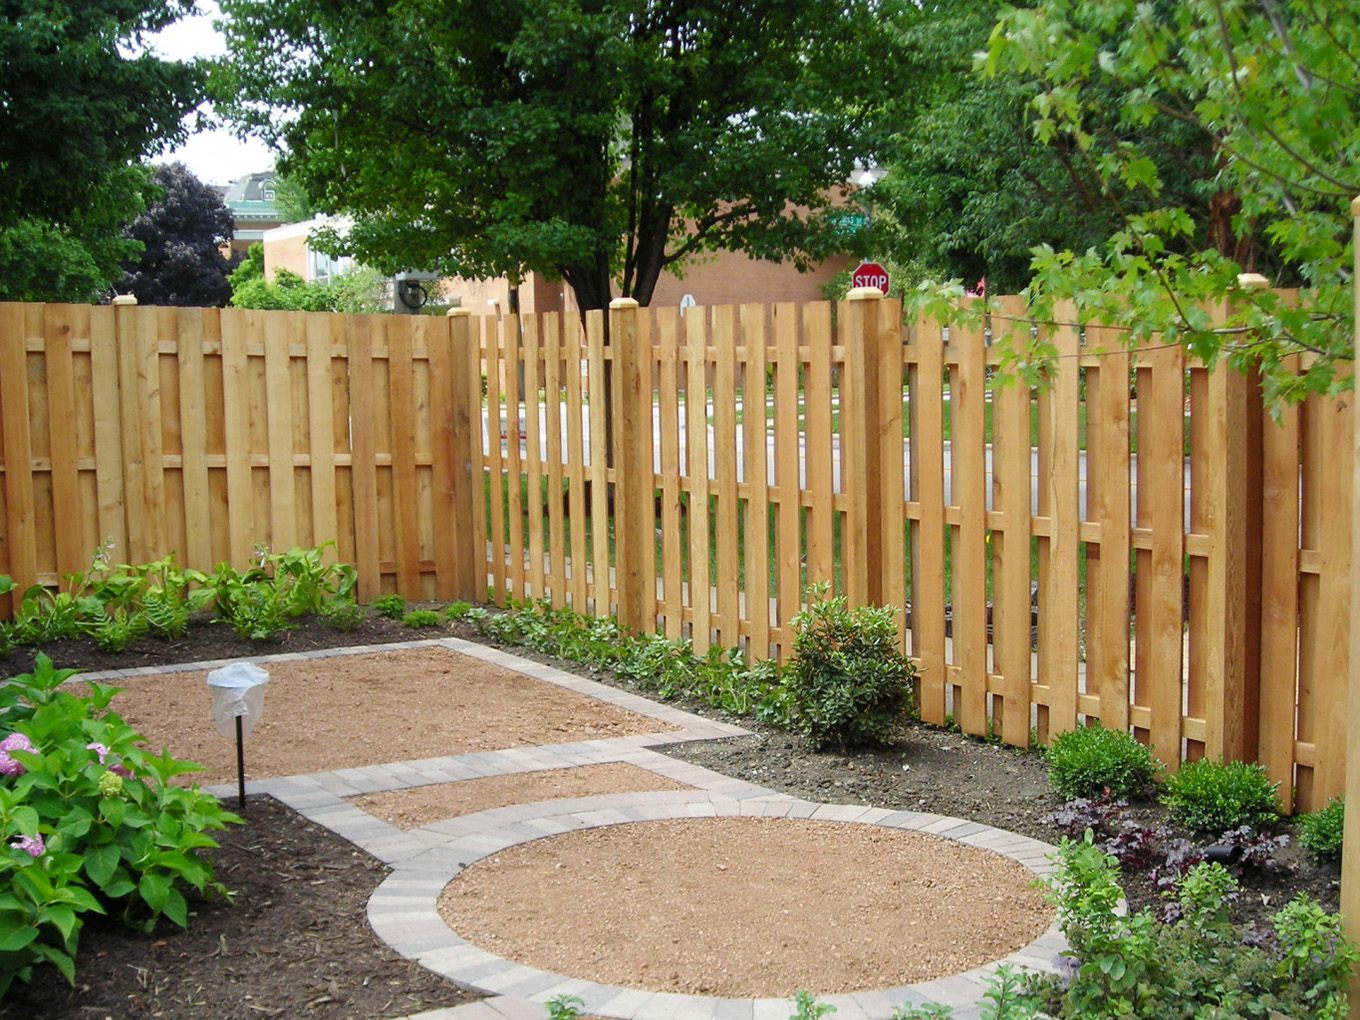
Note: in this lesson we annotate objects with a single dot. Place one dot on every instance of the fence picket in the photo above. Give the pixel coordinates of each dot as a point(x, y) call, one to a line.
point(755, 477)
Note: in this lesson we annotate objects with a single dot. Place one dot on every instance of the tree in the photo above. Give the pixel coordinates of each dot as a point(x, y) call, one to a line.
point(970, 191)
point(594, 141)
point(76, 261)
point(182, 234)
point(1273, 85)
point(77, 113)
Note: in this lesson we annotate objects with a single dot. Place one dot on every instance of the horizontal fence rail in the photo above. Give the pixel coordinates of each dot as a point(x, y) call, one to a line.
point(1136, 542)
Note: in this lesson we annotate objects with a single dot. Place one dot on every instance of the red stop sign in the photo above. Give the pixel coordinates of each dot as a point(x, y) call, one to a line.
point(870, 274)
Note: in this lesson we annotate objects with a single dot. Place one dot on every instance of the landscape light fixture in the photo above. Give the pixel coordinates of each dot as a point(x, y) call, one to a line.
point(238, 703)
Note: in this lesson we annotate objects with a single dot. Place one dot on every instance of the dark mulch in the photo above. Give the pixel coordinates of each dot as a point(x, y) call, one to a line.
point(297, 943)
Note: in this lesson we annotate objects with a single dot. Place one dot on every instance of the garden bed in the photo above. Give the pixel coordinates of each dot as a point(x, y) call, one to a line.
point(231, 953)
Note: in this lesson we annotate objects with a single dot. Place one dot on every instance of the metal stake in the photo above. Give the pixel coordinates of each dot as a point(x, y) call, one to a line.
point(240, 766)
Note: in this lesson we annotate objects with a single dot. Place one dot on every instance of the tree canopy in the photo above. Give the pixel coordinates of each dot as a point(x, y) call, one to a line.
point(1272, 84)
point(77, 113)
point(597, 141)
point(970, 191)
point(181, 235)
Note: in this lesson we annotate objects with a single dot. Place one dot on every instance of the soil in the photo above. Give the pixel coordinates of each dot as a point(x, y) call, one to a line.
point(297, 943)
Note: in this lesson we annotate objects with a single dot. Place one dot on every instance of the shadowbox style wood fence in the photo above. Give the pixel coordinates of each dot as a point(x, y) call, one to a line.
point(1137, 542)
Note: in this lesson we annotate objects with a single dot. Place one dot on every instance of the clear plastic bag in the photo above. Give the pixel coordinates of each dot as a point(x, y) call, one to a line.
point(238, 692)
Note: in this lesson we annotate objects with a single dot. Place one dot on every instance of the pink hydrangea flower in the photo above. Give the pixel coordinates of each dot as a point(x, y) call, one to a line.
point(13, 742)
point(32, 844)
point(100, 749)
point(121, 770)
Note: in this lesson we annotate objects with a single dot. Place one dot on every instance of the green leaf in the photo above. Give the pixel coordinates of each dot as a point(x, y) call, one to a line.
point(155, 890)
point(16, 939)
point(101, 862)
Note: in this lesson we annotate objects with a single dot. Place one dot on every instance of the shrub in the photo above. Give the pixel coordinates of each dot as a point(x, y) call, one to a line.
point(1320, 832)
point(89, 822)
point(1211, 797)
point(342, 614)
point(1087, 761)
point(457, 610)
point(391, 606)
point(422, 618)
point(849, 684)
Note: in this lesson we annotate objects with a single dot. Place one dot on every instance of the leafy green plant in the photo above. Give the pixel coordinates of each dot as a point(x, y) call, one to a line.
point(1089, 760)
point(391, 606)
point(95, 816)
point(807, 1007)
point(116, 628)
point(423, 618)
point(457, 610)
point(342, 614)
point(849, 683)
point(564, 1007)
point(308, 579)
point(1211, 797)
point(1320, 832)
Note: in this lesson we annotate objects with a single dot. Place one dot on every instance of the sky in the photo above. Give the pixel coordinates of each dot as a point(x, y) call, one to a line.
point(215, 157)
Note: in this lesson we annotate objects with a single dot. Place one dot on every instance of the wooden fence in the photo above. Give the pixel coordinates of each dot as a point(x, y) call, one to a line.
point(1136, 542)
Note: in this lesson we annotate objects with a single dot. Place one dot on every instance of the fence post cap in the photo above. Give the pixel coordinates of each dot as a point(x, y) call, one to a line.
point(864, 294)
point(623, 302)
point(455, 313)
point(1252, 281)
point(124, 299)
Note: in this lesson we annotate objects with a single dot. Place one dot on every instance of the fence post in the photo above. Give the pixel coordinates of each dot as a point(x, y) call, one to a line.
point(465, 383)
point(862, 542)
point(634, 508)
point(1350, 855)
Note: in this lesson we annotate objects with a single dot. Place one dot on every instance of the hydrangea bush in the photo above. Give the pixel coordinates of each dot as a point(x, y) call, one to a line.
point(89, 822)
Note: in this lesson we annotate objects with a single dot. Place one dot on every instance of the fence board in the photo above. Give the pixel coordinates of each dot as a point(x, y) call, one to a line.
point(1011, 629)
point(696, 467)
point(404, 409)
point(72, 555)
point(967, 408)
point(1161, 502)
point(576, 474)
point(1335, 429)
point(668, 408)
point(928, 537)
point(514, 462)
point(363, 458)
point(280, 331)
point(755, 476)
point(1280, 596)
point(534, 453)
point(552, 362)
point(726, 510)
point(601, 599)
point(788, 477)
point(193, 431)
point(496, 475)
point(1107, 502)
point(820, 464)
point(20, 516)
point(1058, 602)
